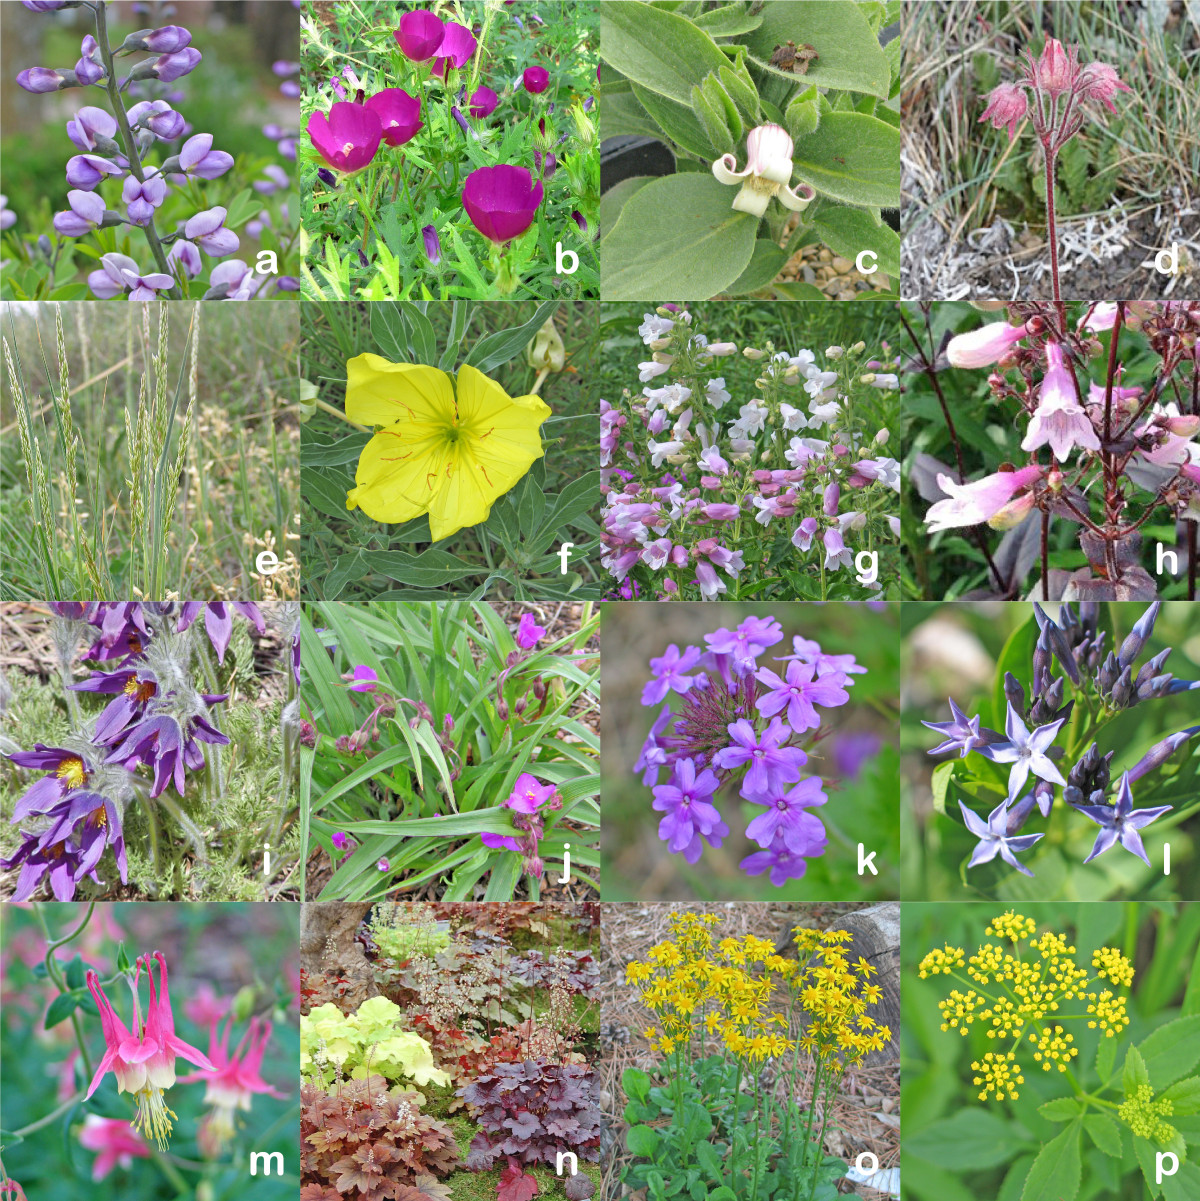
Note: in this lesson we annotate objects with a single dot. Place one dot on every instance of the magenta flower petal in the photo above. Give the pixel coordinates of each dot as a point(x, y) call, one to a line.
point(348, 138)
point(419, 35)
point(483, 102)
point(536, 79)
point(501, 201)
point(458, 45)
point(399, 114)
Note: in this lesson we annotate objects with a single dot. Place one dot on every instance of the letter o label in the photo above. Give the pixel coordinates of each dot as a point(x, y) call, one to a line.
point(874, 1164)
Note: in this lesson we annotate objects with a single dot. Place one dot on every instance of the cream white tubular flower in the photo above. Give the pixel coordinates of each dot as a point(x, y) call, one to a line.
point(767, 173)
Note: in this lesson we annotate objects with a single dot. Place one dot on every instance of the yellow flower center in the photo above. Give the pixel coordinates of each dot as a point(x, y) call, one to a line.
point(72, 772)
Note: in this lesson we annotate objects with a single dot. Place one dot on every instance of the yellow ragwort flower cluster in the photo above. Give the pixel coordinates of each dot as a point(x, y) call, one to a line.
point(692, 984)
point(1144, 1115)
point(1019, 993)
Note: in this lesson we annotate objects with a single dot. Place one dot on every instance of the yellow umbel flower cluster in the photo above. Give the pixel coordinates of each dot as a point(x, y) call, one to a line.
point(1019, 993)
point(1144, 1115)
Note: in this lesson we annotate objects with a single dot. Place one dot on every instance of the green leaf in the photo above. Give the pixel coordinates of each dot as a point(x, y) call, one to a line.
point(431, 569)
point(765, 264)
point(1171, 1051)
point(1061, 1109)
point(972, 1138)
point(738, 83)
point(622, 114)
point(1184, 1185)
point(636, 1083)
point(854, 158)
point(679, 123)
point(390, 332)
point(613, 201)
point(659, 50)
point(1106, 1056)
point(849, 53)
point(1145, 1152)
point(61, 1008)
point(1134, 1073)
point(503, 346)
point(1184, 1095)
point(1104, 1132)
point(712, 119)
point(1056, 1171)
point(943, 778)
point(728, 21)
point(576, 499)
point(424, 342)
point(849, 231)
point(641, 1140)
point(710, 1161)
point(678, 236)
point(76, 973)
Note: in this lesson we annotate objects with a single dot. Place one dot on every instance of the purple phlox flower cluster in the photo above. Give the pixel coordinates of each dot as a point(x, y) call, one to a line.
point(529, 801)
point(685, 484)
point(731, 722)
point(1075, 645)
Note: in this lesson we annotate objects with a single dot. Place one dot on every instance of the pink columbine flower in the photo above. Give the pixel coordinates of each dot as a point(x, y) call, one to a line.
point(143, 1060)
point(983, 346)
point(205, 1008)
point(529, 633)
point(118, 1143)
point(1060, 419)
point(970, 504)
point(767, 173)
point(233, 1081)
point(1006, 105)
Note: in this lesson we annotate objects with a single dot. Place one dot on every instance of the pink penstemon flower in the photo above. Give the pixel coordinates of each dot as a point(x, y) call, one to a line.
point(143, 1060)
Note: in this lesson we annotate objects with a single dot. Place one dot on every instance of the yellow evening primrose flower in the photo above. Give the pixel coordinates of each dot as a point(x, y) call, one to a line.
point(446, 447)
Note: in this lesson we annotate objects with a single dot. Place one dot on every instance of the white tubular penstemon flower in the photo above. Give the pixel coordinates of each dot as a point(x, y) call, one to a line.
point(767, 173)
point(720, 349)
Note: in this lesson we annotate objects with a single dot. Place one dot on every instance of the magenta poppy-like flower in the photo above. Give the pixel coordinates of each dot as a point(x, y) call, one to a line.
point(501, 201)
point(456, 48)
point(348, 138)
point(419, 35)
point(536, 79)
point(399, 115)
point(198, 158)
point(85, 214)
point(142, 197)
point(483, 102)
point(529, 633)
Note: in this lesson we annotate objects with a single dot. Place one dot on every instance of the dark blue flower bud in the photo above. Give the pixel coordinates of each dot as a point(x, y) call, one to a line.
point(1151, 667)
point(1160, 752)
point(1013, 692)
point(1136, 639)
point(1122, 691)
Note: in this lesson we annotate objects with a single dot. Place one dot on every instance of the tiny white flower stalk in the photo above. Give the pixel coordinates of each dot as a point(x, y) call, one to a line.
point(767, 173)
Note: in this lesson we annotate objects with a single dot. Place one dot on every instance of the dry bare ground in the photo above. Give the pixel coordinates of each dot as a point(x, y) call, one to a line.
point(866, 1116)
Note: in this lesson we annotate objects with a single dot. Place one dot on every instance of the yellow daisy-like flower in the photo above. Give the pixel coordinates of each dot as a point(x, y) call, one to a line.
point(446, 447)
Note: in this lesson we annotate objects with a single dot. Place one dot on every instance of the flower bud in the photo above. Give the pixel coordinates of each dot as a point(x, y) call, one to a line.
point(834, 352)
point(720, 349)
point(752, 354)
point(882, 437)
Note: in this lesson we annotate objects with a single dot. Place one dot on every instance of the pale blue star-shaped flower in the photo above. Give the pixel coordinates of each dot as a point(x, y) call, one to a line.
point(994, 838)
point(1026, 751)
point(1121, 822)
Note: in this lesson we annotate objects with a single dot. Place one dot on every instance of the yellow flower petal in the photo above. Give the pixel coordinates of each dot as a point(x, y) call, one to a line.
point(379, 392)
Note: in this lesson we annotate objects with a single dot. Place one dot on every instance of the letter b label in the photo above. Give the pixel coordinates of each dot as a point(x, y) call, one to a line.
point(562, 257)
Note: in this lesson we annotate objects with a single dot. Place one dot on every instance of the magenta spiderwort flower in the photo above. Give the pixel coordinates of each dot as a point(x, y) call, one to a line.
point(1120, 822)
point(348, 138)
point(218, 617)
point(799, 692)
point(528, 796)
point(85, 171)
point(85, 214)
point(365, 679)
point(502, 201)
point(383, 865)
point(116, 1141)
point(536, 80)
point(983, 346)
point(90, 124)
point(143, 1060)
point(767, 173)
point(529, 633)
point(455, 49)
point(433, 247)
point(197, 158)
point(1060, 420)
point(143, 197)
point(483, 102)
point(419, 35)
point(208, 230)
point(982, 500)
point(340, 840)
point(994, 838)
point(119, 273)
point(399, 115)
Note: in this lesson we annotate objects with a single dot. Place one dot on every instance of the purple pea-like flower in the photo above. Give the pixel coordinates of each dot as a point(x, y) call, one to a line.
point(399, 115)
point(536, 79)
point(669, 673)
point(187, 255)
point(798, 692)
point(90, 67)
point(159, 118)
point(198, 159)
point(1121, 822)
point(119, 273)
point(169, 39)
point(483, 102)
point(42, 79)
point(419, 35)
point(502, 201)
point(283, 67)
point(433, 247)
point(89, 124)
point(208, 230)
point(457, 46)
point(687, 803)
point(174, 66)
point(218, 620)
point(772, 765)
point(85, 214)
point(581, 221)
point(237, 280)
point(529, 633)
point(786, 814)
point(87, 170)
point(994, 838)
point(348, 138)
point(142, 197)
point(277, 178)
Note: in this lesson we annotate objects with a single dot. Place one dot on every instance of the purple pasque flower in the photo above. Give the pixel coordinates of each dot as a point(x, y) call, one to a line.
point(348, 137)
point(502, 201)
point(187, 255)
point(1120, 822)
point(669, 673)
point(433, 247)
point(40, 80)
point(171, 67)
point(168, 745)
point(399, 115)
point(208, 231)
point(89, 125)
point(772, 765)
point(85, 214)
point(535, 79)
point(798, 691)
point(159, 118)
point(419, 35)
point(142, 197)
point(483, 102)
point(783, 864)
point(528, 796)
point(1026, 751)
point(786, 814)
point(456, 47)
point(135, 688)
point(529, 633)
point(963, 734)
point(1059, 420)
point(197, 158)
point(994, 838)
point(68, 769)
point(218, 620)
point(119, 273)
point(365, 679)
point(690, 813)
point(87, 170)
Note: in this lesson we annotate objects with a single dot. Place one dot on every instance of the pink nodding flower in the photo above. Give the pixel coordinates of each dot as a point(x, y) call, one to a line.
point(983, 346)
point(144, 1061)
point(1099, 81)
point(116, 1141)
point(1057, 68)
point(970, 504)
point(1006, 105)
point(1060, 419)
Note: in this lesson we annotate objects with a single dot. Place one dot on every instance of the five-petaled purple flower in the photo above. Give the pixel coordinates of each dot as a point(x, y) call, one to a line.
point(1121, 822)
point(772, 765)
point(690, 813)
point(798, 692)
point(529, 633)
point(994, 838)
point(669, 673)
point(1026, 751)
point(365, 679)
point(786, 814)
point(963, 734)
